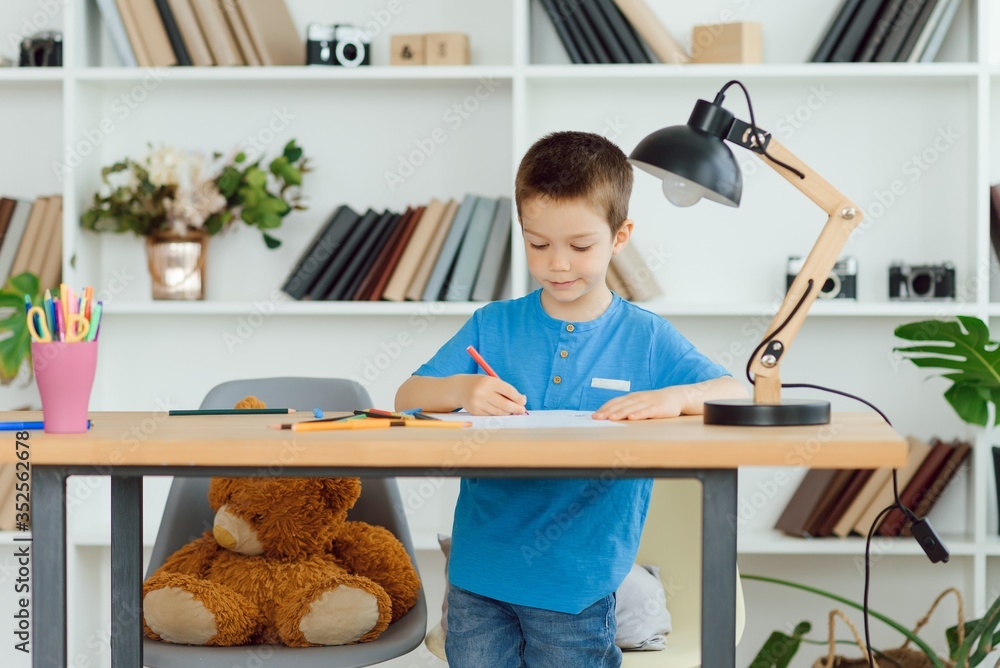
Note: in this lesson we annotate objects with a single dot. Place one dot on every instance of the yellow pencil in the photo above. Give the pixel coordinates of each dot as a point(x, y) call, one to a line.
point(342, 424)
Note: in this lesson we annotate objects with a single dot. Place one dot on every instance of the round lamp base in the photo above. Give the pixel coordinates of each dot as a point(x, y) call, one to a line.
point(746, 413)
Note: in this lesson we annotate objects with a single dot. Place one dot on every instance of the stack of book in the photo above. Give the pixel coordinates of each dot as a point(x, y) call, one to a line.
point(886, 31)
point(612, 31)
point(629, 276)
point(832, 502)
point(161, 33)
point(443, 251)
point(31, 238)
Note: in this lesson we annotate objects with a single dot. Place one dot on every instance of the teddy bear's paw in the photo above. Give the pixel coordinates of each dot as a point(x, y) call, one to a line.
point(341, 616)
point(178, 617)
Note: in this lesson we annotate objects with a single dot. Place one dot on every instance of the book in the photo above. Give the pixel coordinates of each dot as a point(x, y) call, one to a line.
point(879, 30)
point(15, 234)
point(50, 264)
point(495, 255)
point(917, 29)
point(273, 32)
point(116, 28)
point(995, 219)
point(893, 523)
point(917, 451)
point(134, 35)
point(415, 290)
point(234, 18)
point(354, 272)
point(904, 20)
point(6, 209)
point(605, 34)
point(217, 35)
point(346, 251)
point(576, 33)
point(153, 33)
point(960, 452)
point(562, 31)
point(31, 239)
point(841, 479)
point(926, 50)
point(861, 500)
point(849, 45)
point(376, 267)
point(173, 32)
point(576, 9)
point(634, 273)
point(409, 259)
point(839, 506)
point(834, 30)
point(662, 43)
point(323, 246)
point(801, 507)
point(191, 33)
point(458, 287)
point(399, 245)
point(623, 31)
point(449, 249)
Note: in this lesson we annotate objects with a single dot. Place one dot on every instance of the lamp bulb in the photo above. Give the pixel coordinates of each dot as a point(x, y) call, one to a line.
point(681, 193)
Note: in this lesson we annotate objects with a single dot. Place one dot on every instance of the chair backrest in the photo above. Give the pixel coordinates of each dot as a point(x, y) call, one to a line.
point(187, 515)
point(672, 540)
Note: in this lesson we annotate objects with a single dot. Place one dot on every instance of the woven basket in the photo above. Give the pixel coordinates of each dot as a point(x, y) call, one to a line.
point(900, 657)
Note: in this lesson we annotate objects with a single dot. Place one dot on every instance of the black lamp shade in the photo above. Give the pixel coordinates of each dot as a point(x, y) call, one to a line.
point(688, 159)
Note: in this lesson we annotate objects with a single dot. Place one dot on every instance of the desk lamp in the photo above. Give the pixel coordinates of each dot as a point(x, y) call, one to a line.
point(694, 162)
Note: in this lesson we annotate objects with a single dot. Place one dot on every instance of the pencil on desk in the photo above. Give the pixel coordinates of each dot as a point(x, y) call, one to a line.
point(341, 425)
point(234, 411)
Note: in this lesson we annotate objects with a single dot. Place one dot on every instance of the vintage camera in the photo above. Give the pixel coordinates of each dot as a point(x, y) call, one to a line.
point(921, 282)
point(43, 49)
point(340, 44)
point(842, 283)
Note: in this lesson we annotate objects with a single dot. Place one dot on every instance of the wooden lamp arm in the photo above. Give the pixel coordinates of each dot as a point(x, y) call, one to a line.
point(844, 217)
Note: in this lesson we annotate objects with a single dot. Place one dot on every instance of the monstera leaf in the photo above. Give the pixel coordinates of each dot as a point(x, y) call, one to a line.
point(971, 361)
point(14, 349)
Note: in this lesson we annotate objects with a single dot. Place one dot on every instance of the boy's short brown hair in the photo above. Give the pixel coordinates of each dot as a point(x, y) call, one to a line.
point(573, 165)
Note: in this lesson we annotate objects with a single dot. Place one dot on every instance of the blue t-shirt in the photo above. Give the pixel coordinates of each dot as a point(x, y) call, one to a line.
point(559, 544)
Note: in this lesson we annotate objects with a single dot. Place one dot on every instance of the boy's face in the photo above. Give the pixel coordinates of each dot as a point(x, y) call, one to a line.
point(569, 247)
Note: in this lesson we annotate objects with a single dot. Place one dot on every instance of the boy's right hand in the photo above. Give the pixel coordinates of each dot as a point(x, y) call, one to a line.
point(486, 395)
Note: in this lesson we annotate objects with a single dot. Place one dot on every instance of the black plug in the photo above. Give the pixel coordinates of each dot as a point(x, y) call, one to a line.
point(929, 541)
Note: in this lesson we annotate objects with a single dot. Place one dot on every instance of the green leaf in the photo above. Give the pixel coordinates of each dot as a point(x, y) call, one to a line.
point(15, 348)
point(779, 649)
point(271, 242)
point(964, 348)
point(292, 152)
point(256, 178)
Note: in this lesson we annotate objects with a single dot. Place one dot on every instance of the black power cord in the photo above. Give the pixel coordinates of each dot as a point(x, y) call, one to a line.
point(920, 528)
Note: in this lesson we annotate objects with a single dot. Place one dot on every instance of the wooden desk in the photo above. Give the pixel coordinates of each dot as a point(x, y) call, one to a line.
point(127, 446)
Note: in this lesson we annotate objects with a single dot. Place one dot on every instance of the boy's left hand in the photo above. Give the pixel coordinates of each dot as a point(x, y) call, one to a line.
point(664, 403)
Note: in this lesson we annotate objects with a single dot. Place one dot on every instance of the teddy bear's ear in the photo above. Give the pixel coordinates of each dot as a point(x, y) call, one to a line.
point(250, 402)
point(220, 491)
point(341, 493)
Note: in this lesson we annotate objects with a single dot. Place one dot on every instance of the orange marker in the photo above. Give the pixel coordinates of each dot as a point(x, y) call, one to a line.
point(341, 425)
point(486, 367)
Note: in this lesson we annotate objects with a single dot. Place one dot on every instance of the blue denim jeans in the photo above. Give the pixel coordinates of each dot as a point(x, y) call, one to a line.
point(485, 633)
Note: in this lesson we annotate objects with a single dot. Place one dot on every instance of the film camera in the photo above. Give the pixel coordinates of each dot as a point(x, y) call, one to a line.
point(42, 49)
point(842, 282)
point(339, 44)
point(923, 282)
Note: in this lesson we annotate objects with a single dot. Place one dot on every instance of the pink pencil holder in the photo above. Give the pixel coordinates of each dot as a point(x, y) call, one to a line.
point(65, 375)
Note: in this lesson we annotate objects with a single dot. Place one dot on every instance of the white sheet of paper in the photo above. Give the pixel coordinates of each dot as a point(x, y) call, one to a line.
point(534, 420)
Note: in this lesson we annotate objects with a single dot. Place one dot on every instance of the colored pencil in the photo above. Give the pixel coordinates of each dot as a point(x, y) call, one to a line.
point(341, 425)
point(18, 426)
point(234, 411)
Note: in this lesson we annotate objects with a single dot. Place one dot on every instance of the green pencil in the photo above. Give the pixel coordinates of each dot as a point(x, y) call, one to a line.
point(235, 411)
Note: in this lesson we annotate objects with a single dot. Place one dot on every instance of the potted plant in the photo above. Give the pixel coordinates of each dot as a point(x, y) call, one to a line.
point(980, 636)
point(15, 348)
point(177, 199)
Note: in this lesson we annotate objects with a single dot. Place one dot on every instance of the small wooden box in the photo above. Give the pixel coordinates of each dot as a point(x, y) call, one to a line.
point(408, 50)
point(447, 48)
point(727, 43)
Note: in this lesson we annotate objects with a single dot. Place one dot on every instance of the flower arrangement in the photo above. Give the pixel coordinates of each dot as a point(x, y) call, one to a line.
point(184, 194)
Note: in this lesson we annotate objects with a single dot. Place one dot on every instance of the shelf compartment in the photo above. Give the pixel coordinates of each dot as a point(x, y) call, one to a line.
point(294, 74)
point(290, 307)
point(809, 71)
point(774, 542)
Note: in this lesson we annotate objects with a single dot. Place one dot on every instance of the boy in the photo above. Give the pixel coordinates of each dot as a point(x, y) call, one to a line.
point(573, 344)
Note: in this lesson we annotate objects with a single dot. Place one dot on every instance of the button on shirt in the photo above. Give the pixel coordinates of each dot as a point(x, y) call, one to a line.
point(559, 544)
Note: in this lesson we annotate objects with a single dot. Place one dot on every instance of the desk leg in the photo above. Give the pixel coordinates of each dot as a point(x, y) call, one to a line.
point(126, 571)
point(48, 579)
point(718, 576)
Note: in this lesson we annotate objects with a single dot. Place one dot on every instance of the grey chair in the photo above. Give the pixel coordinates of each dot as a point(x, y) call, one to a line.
point(187, 515)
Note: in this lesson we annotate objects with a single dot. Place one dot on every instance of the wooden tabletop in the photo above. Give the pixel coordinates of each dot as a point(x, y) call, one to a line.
point(852, 440)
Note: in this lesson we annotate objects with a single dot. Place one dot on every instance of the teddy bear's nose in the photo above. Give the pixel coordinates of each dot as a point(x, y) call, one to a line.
point(224, 538)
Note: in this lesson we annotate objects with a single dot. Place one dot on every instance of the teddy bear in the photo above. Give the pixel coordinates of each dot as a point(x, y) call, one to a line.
point(281, 565)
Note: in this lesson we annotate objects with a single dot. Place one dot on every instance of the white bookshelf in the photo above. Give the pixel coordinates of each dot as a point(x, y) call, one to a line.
point(722, 271)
